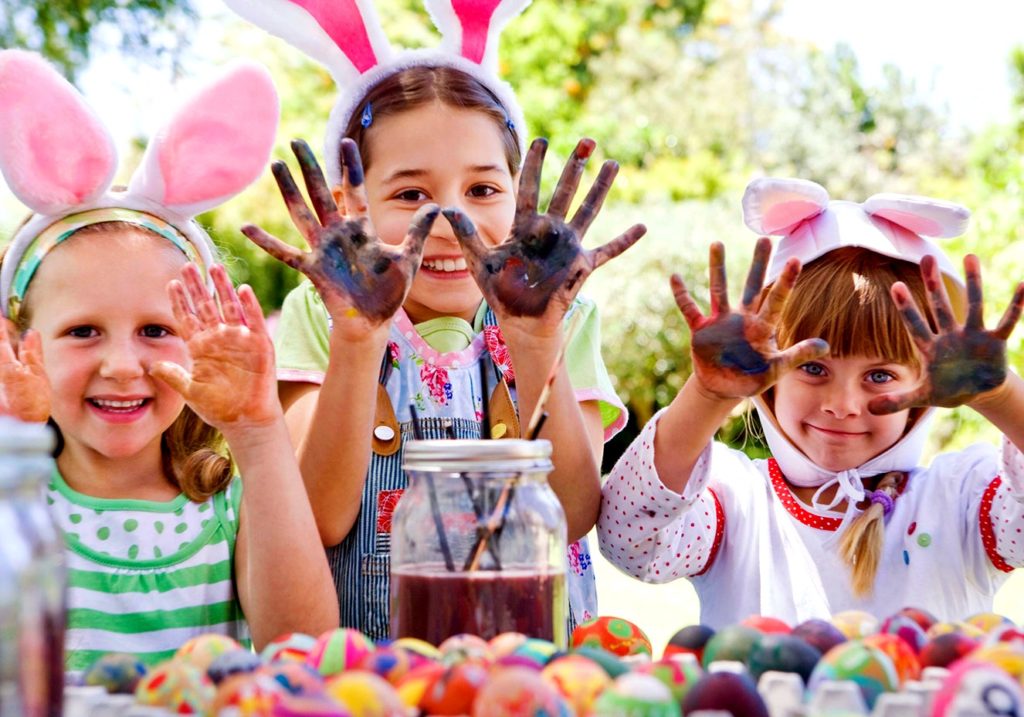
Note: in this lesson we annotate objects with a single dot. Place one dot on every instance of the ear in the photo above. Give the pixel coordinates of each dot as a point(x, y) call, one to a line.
point(471, 28)
point(772, 205)
point(343, 35)
point(216, 144)
point(55, 153)
point(921, 215)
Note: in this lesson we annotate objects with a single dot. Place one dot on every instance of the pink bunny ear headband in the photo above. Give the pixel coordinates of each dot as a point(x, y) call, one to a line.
point(346, 37)
point(811, 225)
point(59, 160)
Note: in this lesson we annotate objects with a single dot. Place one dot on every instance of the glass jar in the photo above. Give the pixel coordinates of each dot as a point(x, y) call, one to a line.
point(478, 543)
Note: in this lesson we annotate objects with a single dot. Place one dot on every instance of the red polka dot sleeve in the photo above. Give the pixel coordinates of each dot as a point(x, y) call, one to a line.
point(651, 532)
point(1001, 516)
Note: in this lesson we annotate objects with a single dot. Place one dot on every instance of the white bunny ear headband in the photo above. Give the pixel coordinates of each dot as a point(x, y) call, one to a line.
point(812, 225)
point(346, 37)
point(59, 159)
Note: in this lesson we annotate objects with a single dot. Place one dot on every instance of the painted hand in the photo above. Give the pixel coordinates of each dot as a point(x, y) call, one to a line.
point(24, 387)
point(232, 383)
point(538, 270)
point(734, 352)
point(960, 362)
point(362, 280)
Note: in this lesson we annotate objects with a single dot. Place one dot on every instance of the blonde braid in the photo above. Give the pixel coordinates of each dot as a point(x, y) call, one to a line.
point(861, 544)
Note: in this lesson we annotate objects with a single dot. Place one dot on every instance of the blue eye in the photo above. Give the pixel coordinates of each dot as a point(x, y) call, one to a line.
point(813, 369)
point(880, 377)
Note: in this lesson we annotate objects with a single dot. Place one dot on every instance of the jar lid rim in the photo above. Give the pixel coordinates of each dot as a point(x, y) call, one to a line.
point(462, 451)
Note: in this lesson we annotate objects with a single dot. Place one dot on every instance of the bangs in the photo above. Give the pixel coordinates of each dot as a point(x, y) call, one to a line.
point(843, 298)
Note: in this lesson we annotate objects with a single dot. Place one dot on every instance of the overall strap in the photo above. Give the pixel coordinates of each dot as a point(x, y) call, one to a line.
point(504, 413)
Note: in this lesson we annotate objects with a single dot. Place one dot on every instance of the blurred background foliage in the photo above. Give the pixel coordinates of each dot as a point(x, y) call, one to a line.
point(692, 97)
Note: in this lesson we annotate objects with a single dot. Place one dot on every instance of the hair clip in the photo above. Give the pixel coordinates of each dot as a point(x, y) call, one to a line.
point(367, 119)
point(510, 124)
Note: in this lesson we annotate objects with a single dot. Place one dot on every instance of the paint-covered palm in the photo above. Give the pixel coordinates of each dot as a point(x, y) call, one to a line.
point(538, 270)
point(24, 388)
point(961, 362)
point(232, 382)
point(362, 280)
point(734, 352)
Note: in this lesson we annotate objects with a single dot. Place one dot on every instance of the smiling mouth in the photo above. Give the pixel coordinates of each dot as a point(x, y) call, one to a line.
point(447, 266)
point(837, 434)
point(118, 406)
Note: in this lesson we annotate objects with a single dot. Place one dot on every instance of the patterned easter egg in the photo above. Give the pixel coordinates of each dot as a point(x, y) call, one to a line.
point(989, 621)
point(364, 694)
point(233, 663)
point(390, 662)
point(944, 650)
point(782, 653)
point(728, 691)
point(418, 648)
point(337, 650)
point(679, 674)
point(295, 678)
point(690, 639)
point(252, 695)
point(454, 692)
point(1007, 656)
point(906, 629)
point(944, 628)
point(201, 651)
point(176, 686)
point(866, 666)
point(459, 648)
point(610, 663)
point(307, 706)
point(855, 623)
point(731, 643)
point(412, 686)
point(578, 679)
point(294, 646)
point(977, 688)
point(537, 651)
point(904, 659)
point(505, 643)
point(618, 636)
point(116, 672)
point(519, 692)
point(637, 695)
point(1008, 633)
point(923, 618)
point(766, 624)
point(819, 634)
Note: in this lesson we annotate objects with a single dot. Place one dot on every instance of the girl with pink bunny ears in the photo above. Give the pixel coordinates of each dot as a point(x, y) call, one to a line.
point(144, 373)
point(845, 361)
point(404, 308)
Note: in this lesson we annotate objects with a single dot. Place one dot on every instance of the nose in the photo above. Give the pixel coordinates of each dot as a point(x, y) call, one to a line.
point(841, 401)
point(122, 361)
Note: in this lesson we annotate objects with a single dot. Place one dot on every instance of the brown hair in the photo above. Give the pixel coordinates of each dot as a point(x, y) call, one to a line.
point(419, 85)
point(194, 454)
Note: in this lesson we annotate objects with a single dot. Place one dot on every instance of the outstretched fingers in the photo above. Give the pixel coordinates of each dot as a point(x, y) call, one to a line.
point(939, 298)
point(353, 182)
point(30, 352)
point(771, 309)
point(284, 253)
point(529, 181)
point(617, 245)
point(975, 294)
point(188, 322)
point(319, 193)
point(465, 232)
point(895, 402)
point(252, 312)
point(719, 284)
point(203, 302)
point(695, 319)
point(920, 332)
point(229, 305)
point(419, 229)
point(800, 353)
point(173, 375)
point(302, 218)
point(758, 269)
point(594, 200)
point(569, 182)
point(1011, 315)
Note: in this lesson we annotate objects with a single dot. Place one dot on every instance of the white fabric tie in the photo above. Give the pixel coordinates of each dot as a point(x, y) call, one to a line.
point(851, 489)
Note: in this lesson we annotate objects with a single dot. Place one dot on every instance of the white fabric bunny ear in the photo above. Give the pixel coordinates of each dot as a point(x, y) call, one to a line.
point(774, 206)
point(344, 36)
point(921, 215)
point(471, 28)
point(217, 143)
point(55, 153)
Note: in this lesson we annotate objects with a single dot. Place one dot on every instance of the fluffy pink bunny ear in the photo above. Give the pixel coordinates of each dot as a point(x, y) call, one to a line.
point(343, 35)
point(773, 206)
point(217, 143)
point(471, 28)
point(921, 215)
point(55, 153)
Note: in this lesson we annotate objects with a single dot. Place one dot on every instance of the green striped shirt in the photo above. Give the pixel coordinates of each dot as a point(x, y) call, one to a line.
point(144, 577)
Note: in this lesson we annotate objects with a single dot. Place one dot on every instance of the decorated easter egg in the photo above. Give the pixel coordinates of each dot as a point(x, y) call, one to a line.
point(412, 686)
point(389, 662)
point(610, 663)
point(201, 651)
point(364, 694)
point(638, 695)
point(578, 679)
point(307, 706)
point(678, 674)
point(904, 659)
point(519, 692)
point(459, 648)
point(177, 686)
point(1007, 633)
point(252, 695)
point(819, 634)
point(337, 650)
point(944, 628)
point(977, 688)
point(505, 643)
point(766, 624)
point(454, 691)
point(232, 663)
point(944, 650)
point(295, 678)
point(537, 651)
point(855, 623)
point(730, 643)
point(923, 618)
point(866, 666)
point(116, 672)
point(906, 629)
point(733, 692)
point(782, 653)
point(618, 636)
point(421, 651)
point(988, 621)
point(1007, 656)
point(690, 639)
point(292, 646)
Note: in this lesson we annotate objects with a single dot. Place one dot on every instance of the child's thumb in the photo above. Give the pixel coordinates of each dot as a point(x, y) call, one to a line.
point(173, 375)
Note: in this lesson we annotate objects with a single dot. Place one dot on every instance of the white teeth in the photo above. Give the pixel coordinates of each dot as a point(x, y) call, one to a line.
point(445, 264)
point(118, 405)
point(449, 265)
